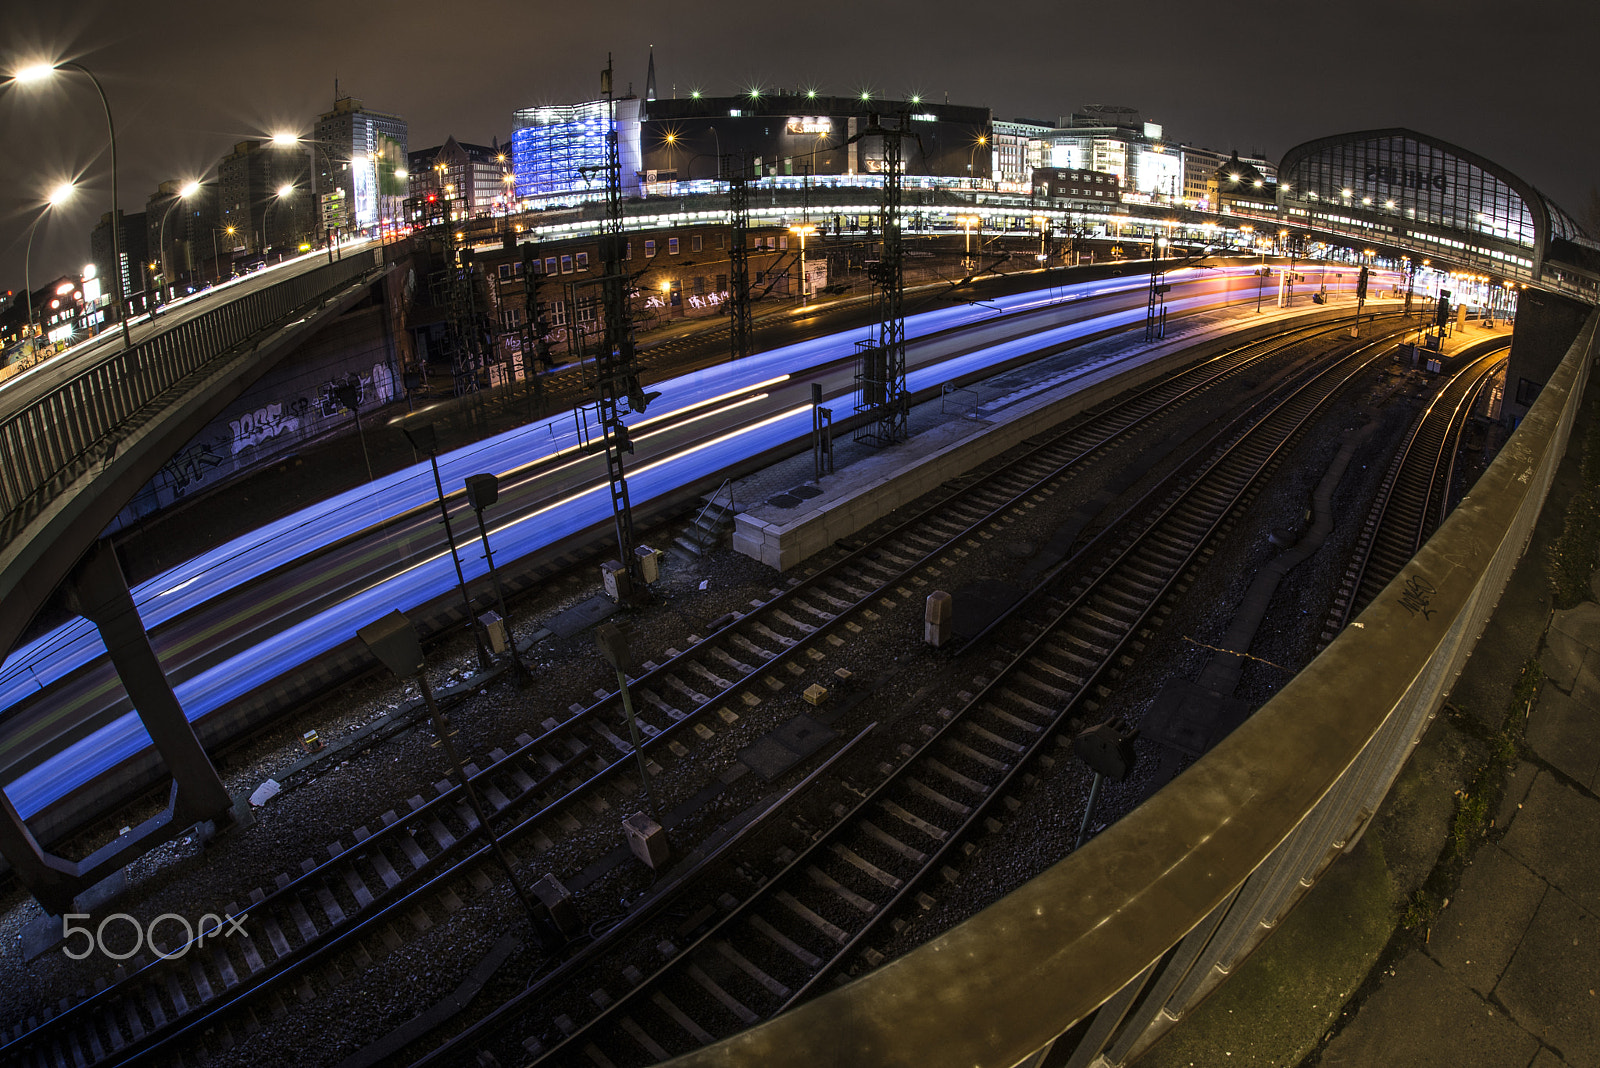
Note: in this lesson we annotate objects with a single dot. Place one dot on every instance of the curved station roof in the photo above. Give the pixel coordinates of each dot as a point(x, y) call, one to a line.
point(1404, 188)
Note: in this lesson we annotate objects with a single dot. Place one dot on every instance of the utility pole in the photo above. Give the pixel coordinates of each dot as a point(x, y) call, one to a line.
point(740, 330)
point(616, 377)
point(882, 361)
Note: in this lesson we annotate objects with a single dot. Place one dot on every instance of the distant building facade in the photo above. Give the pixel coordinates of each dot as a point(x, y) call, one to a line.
point(359, 157)
point(560, 151)
point(249, 180)
point(135, 254)
point(471, 180)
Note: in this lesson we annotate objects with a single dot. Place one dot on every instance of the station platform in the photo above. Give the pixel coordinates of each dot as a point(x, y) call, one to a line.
point(787, 514)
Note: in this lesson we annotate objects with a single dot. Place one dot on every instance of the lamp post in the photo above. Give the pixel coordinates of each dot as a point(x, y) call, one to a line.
point(216, 256)
point(972, 157)
point(613, 646)
point(185, 193)
point(803, 231)
point(288, 140)
point(57, 196)
point(420, 432)
point(967, 222)
point(283, 191)
point(1042, 222)
point(44, 70)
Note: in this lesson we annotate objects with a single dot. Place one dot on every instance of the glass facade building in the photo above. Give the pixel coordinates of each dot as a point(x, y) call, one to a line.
point(561, 150)
point(1409, 189)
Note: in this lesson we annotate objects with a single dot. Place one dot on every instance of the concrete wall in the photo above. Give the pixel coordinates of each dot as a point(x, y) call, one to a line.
point(291, 404)
point(1546, 325)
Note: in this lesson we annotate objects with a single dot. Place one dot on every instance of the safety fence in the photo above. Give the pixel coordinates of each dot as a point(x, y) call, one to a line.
point(53, 439)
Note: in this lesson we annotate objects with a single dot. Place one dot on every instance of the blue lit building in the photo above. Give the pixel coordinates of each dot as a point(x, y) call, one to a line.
point(561, 150)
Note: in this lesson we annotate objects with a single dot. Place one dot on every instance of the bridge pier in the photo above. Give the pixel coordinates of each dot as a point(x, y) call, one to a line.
point(97, 590)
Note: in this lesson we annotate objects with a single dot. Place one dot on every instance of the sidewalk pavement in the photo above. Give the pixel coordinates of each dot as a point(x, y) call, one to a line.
point(1408, 954)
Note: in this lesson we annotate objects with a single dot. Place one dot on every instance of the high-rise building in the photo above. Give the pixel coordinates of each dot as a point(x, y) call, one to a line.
point(265, 196)
point(135, 253)
point(360, 163)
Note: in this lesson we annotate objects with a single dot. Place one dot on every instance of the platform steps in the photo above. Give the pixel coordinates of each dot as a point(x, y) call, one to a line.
point(711, 526)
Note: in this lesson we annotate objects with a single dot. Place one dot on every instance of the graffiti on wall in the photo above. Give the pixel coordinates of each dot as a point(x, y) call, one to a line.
point(189, 466)
point(263, 424)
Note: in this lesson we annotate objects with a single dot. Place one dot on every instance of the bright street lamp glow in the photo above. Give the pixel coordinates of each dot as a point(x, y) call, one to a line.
point(34, 73)
point(61, 193)
point(285, 139)
point(285, 189)
point(189, 190)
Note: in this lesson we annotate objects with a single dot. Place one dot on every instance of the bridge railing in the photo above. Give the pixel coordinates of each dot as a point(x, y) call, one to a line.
point(1090, 962)
point(56, 437)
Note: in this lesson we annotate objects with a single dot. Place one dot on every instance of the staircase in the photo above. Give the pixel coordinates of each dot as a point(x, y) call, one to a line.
point(713, 523)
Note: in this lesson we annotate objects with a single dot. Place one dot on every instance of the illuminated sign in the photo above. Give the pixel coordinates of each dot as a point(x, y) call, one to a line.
point(810, 124)
point(1405, 179)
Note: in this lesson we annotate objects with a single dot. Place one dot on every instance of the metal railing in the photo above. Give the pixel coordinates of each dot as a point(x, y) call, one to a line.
point(58, 437)
point(1104, 952)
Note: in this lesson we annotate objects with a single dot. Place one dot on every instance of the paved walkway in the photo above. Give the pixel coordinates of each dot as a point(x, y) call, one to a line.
point(1406, 954)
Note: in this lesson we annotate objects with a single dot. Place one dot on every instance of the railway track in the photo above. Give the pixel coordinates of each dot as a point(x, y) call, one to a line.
point(388, 877)
point(817, 917)
point(1414, 497)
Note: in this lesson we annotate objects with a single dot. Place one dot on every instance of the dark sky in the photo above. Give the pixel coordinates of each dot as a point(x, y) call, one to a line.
point(186, 79)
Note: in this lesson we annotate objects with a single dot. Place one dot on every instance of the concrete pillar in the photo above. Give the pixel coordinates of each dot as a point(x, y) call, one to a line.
point(51, 880)
point(97, 590)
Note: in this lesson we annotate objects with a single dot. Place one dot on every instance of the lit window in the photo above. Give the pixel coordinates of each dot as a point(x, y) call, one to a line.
point(649, 249)
point(672, 246)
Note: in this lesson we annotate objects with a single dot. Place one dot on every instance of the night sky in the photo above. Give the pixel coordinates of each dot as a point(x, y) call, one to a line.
point(185, 79)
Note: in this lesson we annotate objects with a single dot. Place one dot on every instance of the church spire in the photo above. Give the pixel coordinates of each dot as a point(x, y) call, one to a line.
point(650, 76)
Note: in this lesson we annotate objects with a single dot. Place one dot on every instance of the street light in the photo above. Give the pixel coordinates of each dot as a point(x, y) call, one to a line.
point(283, 192)
point(40, 71)
point(1042, 222)
point(803, 231)
point(967, 222)
point(57, 196)
point(293, 140)
point(216, 256)
point(183, 194)
point(972, 157)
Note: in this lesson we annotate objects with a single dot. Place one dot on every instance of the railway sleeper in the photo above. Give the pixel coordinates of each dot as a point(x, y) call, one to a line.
point(923, 790)
point(716, 680)
point(794, 949)
point(726, 950)
point(992, 738)
point(958, 746)
point(827, 882)
point(829, 930)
